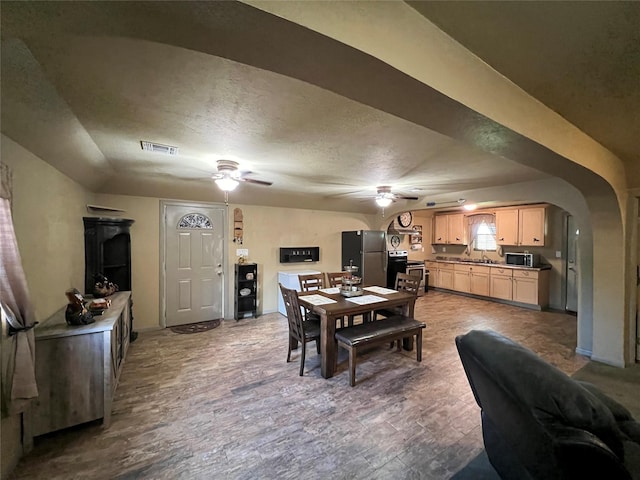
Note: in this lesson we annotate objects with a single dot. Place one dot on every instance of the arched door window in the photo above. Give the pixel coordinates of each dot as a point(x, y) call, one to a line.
point(195, 220)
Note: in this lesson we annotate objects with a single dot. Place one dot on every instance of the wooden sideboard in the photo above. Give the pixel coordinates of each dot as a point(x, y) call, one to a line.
point(78, 367)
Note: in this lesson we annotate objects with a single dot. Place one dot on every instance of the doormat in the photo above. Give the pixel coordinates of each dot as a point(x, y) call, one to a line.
point(196, 327)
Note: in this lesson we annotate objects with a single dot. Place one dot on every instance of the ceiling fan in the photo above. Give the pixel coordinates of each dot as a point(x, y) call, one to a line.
point(229, 176)
point(385, 196)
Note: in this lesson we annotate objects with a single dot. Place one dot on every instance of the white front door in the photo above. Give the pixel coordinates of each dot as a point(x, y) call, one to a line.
point(193, 263)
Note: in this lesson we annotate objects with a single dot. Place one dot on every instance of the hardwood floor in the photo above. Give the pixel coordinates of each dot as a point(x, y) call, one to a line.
point(224, 404)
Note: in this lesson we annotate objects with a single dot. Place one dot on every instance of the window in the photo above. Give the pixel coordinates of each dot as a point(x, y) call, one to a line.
point(194, 220)
point(485, 238)
point(483, 231)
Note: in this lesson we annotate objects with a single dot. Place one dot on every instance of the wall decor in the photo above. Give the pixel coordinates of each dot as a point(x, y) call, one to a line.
point(238, 226)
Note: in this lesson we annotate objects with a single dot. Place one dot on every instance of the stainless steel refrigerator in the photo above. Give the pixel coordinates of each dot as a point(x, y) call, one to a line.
point(368, 251)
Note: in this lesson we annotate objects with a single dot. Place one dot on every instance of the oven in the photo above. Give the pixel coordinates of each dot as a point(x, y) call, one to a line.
point(396, 262)
point(417, 268)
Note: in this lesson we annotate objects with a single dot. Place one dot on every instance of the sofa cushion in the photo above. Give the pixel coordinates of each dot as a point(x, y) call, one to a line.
point(548, 393)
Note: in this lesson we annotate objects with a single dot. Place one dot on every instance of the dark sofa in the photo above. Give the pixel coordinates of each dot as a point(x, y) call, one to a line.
point(539, 423)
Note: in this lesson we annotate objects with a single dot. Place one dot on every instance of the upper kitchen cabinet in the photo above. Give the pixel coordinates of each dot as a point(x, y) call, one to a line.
point(521, 226)
point(531, 226)
point(507, 227)
point(449, 229)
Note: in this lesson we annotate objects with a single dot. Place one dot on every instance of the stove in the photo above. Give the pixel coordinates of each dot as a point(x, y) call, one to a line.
point(396, 262)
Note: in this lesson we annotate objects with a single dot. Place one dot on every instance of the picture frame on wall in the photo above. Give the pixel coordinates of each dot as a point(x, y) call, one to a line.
point(417, 239)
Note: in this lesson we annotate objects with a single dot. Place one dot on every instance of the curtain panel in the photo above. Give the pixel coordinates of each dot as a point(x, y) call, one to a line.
point(18, 340)
point(474, 222)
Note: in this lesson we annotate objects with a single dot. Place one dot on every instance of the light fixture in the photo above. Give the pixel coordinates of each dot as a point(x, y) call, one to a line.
point(383, 201)
point(470, 207)
point(226, 184)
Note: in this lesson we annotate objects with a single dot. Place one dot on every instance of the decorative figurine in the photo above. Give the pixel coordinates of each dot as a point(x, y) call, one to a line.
point(103, 287)
point(76, 313)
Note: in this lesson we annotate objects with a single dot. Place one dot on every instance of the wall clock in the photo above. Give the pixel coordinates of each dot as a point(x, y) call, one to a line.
point(395, 241)
point(404, 219)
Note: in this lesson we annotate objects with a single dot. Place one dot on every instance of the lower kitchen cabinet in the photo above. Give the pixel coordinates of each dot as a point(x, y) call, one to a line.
point(470, 278)
point(528, 287)
point(433, 272)
point(531, 287)
point(461, 281)
point(479, 280)
point(78, 367)
point(501, 283)
point(445, 276)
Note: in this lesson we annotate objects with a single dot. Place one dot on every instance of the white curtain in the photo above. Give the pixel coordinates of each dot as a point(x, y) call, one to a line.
point(475, 221)
point(18, 341)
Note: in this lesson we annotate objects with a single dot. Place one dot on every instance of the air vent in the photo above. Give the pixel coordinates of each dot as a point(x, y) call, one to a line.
point(159, 148)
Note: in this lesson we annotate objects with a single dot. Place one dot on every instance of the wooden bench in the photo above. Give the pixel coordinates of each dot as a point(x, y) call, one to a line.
point(381, 331)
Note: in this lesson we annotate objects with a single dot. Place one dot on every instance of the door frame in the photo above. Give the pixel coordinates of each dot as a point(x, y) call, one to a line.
point(163, 253)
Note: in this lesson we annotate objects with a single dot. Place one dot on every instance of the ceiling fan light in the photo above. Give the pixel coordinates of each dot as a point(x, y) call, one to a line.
point(383, 201)
point(226, 183)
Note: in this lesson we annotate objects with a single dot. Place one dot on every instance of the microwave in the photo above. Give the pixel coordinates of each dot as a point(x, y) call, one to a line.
point(522, 259)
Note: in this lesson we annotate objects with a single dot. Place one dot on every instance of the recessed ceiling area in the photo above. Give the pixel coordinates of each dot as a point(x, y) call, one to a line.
point(83, 100)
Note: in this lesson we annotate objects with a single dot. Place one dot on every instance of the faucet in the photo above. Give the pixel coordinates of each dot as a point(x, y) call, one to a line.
point(483, 257)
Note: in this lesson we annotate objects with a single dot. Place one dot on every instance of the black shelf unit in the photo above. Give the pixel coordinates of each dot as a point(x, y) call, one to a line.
point(246, 277)
point(107, 250)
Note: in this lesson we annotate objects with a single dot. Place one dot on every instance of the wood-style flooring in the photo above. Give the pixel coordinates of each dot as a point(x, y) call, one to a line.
point(224, 404)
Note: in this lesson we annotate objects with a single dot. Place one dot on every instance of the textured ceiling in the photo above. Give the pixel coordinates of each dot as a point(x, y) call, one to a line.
point(80, 92)
point(580, 59)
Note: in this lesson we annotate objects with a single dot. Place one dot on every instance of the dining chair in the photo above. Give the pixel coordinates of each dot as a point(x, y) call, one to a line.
point(404, 283)
point(308, 283)
point(334, 279)
point(299, 329)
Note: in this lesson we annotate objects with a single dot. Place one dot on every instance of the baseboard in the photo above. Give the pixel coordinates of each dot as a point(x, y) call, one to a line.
point(607, 362)
point(582, 351)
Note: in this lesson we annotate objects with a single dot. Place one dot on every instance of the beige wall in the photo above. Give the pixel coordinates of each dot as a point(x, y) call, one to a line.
point(145, 254)
point(47, 215)
point(47, 218)
point(266, 229)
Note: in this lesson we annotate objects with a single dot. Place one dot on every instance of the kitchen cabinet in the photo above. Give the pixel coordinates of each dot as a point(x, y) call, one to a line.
point(78, 367)
point(479, 280)
point(501, 283)
point(440, 234)
point(449, 229)
point(521, 226)
point(531, 223)
point(433, 272)
point(513, 284)
point(522, 286)
point(507, 227)
point(445, 276)
point(531, 287)
point(461, 282)
point(471, 279)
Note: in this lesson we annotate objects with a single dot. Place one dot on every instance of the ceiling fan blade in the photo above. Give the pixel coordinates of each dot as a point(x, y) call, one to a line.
point(257, 182)
point(406, 197)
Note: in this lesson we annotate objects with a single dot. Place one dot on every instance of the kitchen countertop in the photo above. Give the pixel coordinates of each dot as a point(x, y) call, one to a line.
point(487, 264)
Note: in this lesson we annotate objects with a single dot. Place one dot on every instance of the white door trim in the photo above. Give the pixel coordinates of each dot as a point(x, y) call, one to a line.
point(163, 253)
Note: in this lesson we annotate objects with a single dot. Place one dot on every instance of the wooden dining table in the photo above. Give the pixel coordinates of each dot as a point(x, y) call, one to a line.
point(344, 307)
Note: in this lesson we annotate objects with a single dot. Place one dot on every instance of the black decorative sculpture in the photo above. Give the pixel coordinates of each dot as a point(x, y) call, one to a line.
point(103, 287)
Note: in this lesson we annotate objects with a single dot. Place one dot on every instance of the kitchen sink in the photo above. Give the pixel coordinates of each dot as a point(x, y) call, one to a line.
point(478, 260)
